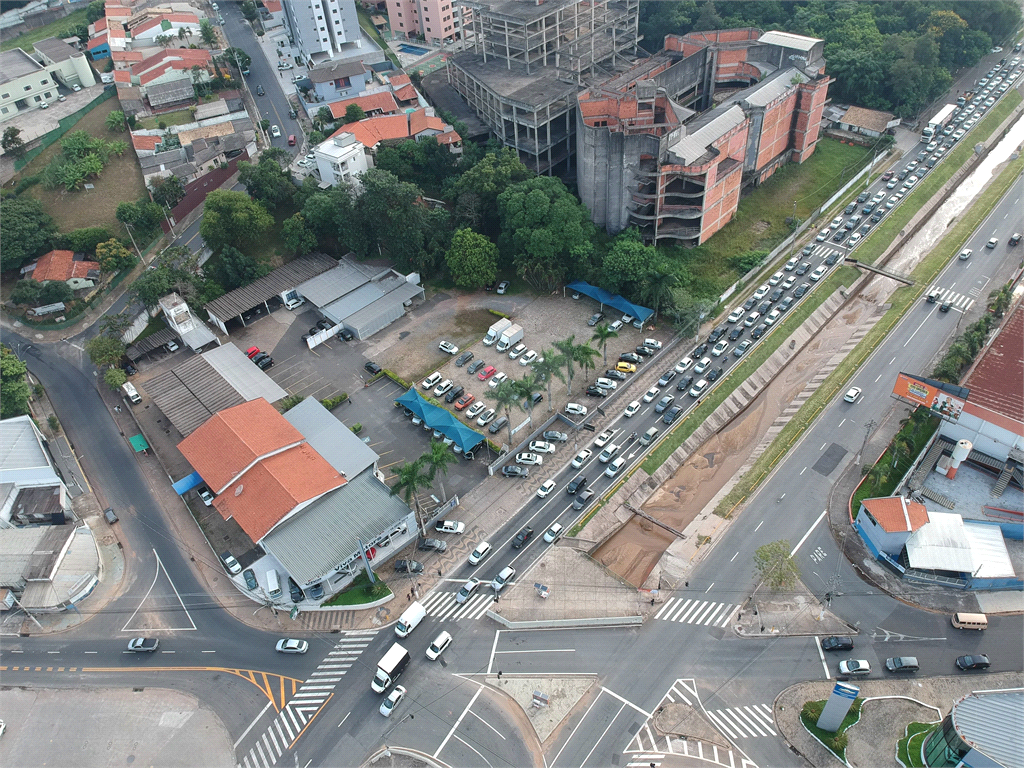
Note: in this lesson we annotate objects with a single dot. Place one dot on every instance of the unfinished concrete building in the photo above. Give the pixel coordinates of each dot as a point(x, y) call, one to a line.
point(653, 155)
point(527, 59)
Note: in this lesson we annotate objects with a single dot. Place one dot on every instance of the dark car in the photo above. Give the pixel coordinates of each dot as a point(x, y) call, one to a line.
point(713, 374)
point(808, 250)
point(749, 304)
point(758, 332)
point(555, 436)
point(576, 484)
point(877, 216)
point(945, 306)
point(372, 368)
point(977, 661)
point(317, 591)
point(454, 393)
point(476, 366)
point(887, 175)
point(698, 351)
point(522, 537)
point(737, 332)
point(851, 208)
point(250, 579)
point(868, 208)
point(583, 498)
point(685, 383)
point(666, 378)
point(863, 196)
point(490, 285)
point(595, 391)
point(831, 259)
point(837, 643)
point(324, 324)
point(536, 397)
point(839, 236)
point(865, 229)
point(296, 593)
point(801, 290)
point(764, 308)
point(130, 370)
point(260, 91)
point(462, 359)
point(408, 566)
point(345, 334)
point(630, 357)
point(428, 544)
point(672, 414)
point(644, 351)
point(109, 514)
point(716, 334)
point(611, 373)
point(514, 470)
point(263, 361)
point(786, 303)
point(804, 268)
point(595, 318)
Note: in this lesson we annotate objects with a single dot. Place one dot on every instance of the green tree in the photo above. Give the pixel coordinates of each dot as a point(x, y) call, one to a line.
point(505, 395)
point(266, 180)
point(249, 11)
point(82, 240)
point(324, 116)
point(104, 351)
point(25, 230)
point(152, 285)
point(527, 386)
point(412, 478)
point(603, 332)
point(231, 218)
point(437, 460)
point(94, 11)
point(389, 220)
point(207, 32)
point(236, 57)
point(472, 259)
point(626, 264)
point(27, 292)
point(584, 355)
point(167, 190)
point(354, 113)
point(12, 142)
point(14, 389)
point(485, 181)
point(234, 269)
point(113, 256)
point(567, 348)
point(775, 566)
point(298, 238)
point(115, 324)
point(163, 40)
point(547, 367)
point(54, 291)
point(657, 290)
point(115, 377)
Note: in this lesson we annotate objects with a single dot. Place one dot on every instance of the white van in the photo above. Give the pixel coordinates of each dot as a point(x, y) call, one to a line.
point(131, 392)
point(977, 621)
point(273, 584)
point(413, 615)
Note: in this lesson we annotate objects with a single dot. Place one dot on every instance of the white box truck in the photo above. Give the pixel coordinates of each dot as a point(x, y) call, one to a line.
point(389, 668)
point(495, 331)
point(511, 335)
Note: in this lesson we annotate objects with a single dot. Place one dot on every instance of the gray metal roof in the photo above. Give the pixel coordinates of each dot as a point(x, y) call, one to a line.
point(283, 278)
point(329, 71)
point(364, 318)
point(23, 460)
point(55, 50)
point(17, 546)
point(312, 543)
point(691, 148)
point(168, 93)
point(941, 544)
point(772, 87)
point(330, 437)
point(17, 63)
point(331, 285)
point(148, 344)
point(353, 301)
point(987, 720)
point(203, 385)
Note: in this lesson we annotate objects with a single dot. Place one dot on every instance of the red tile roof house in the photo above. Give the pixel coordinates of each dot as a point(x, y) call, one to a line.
point(62, 265)
point(170, 65)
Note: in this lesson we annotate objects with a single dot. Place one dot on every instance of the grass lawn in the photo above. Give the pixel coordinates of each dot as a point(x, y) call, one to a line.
point(121, 181)
point(53, 29)
point(919, 434)
point(908, 749)
point(369, 29)
point(180, 117)
point(356, 594)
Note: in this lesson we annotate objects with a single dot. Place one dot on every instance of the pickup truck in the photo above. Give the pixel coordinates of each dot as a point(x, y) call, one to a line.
point(450, 526)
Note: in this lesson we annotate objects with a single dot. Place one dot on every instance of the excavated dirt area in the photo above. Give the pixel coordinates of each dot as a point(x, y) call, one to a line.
point(634, 550)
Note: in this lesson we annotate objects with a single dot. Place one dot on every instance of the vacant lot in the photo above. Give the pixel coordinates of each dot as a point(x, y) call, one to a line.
point(121, 181)
point(54, 29)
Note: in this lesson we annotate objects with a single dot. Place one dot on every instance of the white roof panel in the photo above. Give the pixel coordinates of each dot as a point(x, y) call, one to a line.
point(941, 545)
point(692, 147)
point(329, 437)
point(240, 372)
point(22, 458)
point(986, 721)
point(991, 559)
point(788, 40)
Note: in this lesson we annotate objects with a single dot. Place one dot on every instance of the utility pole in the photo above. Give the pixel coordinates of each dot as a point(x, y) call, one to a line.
point(867, 433)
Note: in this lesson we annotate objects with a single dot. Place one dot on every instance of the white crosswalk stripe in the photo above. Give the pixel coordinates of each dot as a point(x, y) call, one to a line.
point(704, 612)
point(443, 606)
point(744, 722)
point(306, 702)
point(959, 300)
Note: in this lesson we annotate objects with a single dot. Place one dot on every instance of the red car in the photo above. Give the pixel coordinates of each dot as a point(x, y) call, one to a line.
point(463, 402)
point(251, 352)
point(486, 373)
point(887, 175)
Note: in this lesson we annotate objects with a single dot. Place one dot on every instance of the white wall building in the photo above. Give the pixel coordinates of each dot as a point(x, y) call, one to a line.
point(322, 28)
point(341, 159)
point(24, 84)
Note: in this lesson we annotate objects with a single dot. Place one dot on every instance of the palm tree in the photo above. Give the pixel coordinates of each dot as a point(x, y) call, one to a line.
point(601, 335)
point(549, 366)
point(584, 355)
point(412, 478)
point(527, 387)
point(437, 460)
point(877, 474)
point(568, 349)
point(901, 445)
point(657, 289)
point(505, 396)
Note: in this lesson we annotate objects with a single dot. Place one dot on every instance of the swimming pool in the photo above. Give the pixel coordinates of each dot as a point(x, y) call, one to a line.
point(413, 49)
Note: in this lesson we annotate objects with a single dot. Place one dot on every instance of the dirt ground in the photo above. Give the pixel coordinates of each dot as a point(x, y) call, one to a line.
point(121, 181)
point(634, 550)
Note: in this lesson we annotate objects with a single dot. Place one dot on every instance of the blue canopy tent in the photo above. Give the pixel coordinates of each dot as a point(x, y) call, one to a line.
point(612, 300)
point(441, 420)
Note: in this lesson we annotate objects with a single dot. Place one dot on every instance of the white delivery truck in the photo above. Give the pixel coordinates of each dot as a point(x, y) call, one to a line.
point(495, 331)
point(131, 392)
point(389, 668)
point(511, 335)
point(413, 615)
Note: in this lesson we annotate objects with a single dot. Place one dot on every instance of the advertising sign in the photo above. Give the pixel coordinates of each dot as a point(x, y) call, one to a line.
point(943, 400)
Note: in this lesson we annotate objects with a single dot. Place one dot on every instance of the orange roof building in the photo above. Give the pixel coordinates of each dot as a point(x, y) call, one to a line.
point(409, 125)
point(895, 514)
point(373, 104)
point(61, 265)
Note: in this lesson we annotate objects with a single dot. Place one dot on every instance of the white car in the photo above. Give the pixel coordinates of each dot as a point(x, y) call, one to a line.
point(505, 575)
point(761, 292)
point(475, 410)
point(683, 365)
point(631, 409)
point(819, 273)
point(304, 163)
point(652, 393)
point(775, 279)
point(852, 394)
point(529, 459)
point(965, 254)
point(824, 235)
point(443, 387)
point(485, 418)
point(737, 314)
point(275, 132)
point(467, 590)
point(545, 489)
point(703, 365)
point(608, 453)
point(431, 381)
point(854, 667)
point(437, 645)
point(575, 409)
point(836, 222)
point(752, 319)
point(528, 358)
point(392, 701)
point(496, 379)
point(292, 646)
point(483, 549)
point(450, 526)
point(615, 467)
point(447, 346)
point(206, 496)
point(697, 389)
point(516, 351)
point(540, 446)
point(553, 532)
point(604, 437)
point(719, 348)
point(854, 239)
point(772, 318)
point(581, 457)
point(790, 266)
point(652, 344)
point(604, 383)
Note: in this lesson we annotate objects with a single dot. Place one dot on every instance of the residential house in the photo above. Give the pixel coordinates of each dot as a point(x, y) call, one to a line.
point(333, 80)
point(173, 64)
point(67, 267)
point(867, 122)
point(372, 131)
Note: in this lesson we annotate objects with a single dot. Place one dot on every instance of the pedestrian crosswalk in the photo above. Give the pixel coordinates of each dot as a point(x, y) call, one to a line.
point(744, 722)
point(443, 606)
point(702, 612)
point(958, 301)
point(311, 696)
